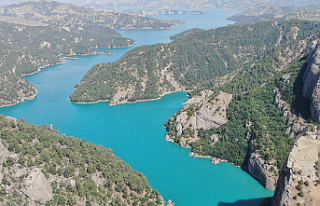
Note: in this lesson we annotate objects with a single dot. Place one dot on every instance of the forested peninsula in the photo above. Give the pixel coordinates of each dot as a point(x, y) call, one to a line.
point(37, 34)
point(39, 167)
point(201, 60)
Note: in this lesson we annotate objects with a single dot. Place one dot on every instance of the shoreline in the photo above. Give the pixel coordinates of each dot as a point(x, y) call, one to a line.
point(144, 100)
point(196, 155)
point(57, 63)
point(23, 99)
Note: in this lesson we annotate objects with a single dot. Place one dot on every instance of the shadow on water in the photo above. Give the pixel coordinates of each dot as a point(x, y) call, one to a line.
point(250, 202)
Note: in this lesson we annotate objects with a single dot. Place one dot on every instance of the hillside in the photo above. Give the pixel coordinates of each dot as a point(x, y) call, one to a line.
point(201, 4)
point(35, 34)
point(246, 87)
point(277, 13)
point(52, 12)
point(198, 61)
point(25, 49)
point(39, 166)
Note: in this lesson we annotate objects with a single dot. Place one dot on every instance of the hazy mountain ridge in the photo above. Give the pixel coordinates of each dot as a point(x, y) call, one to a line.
point(201, 4)
point(52, 12)
point(26, 49)
point(196, 61)
point(277, 13)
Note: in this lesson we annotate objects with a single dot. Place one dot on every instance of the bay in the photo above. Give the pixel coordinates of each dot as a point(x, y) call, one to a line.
point(135, 132)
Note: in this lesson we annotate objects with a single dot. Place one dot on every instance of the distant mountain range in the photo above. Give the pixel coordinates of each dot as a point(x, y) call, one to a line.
point(35, 34)
point(52, 12)
point(200, 4)
point(277, 13)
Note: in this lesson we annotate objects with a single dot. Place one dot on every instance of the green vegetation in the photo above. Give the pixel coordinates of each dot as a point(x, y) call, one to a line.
point(277, 13)
point(252, 113)
point(199, 61)
point(185, 33)
point(56, 13)
point(23, 50)
point(201, 4)
point(65, 159)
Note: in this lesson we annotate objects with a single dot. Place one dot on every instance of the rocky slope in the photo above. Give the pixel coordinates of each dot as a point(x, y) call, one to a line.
point(311, 87)
point(193, 62)
point(201, 4)
point(298, 183)
point(52, 12)
point(26, 49)
point(40, 167)
point(277, 13)
point(205, 114)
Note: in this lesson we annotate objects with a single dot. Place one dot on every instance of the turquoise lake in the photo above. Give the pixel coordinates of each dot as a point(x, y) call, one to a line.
point(135, 132)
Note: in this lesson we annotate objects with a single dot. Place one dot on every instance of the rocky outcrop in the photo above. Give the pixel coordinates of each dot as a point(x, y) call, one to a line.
point(207, 113)
point(265, 173)
point(312, 73)
point(298, 180)
point(311, 84)
point(37, 187)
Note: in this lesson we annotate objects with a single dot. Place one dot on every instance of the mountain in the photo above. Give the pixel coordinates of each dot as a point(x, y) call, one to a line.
point(247, 105)
point(201, 4)
point(197, 61)
point(277, 13)
point(36, 34)
point(52, 12)
point(25, 49)
point(39, 166)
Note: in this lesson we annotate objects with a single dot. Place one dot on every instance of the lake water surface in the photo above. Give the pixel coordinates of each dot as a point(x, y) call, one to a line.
point(135, 132)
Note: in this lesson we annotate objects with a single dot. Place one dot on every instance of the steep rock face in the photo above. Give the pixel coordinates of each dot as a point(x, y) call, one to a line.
point(311, 84)
point(37, 187)
point(260, 170)
point(298, 180)
point(312, 73)
point(205, 115)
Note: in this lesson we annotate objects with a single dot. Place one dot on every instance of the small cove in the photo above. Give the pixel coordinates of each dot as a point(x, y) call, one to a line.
point(135, 131)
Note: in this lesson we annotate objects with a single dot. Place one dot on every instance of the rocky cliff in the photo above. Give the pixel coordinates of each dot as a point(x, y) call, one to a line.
point(311, 84)
point(265, 173)
point(204, 113)
point(298, 183)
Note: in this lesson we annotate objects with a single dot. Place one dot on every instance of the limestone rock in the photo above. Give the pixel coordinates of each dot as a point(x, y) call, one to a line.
point(179, 129)
point(213, 114)
point(215, 161)
point(70, 182)
point(12, 120)
point(191, 154)
point(170, 203)
point(4, 153)
point(214, 138)
point(168, 138)
point(311, 82)
point(95, 177)
point(312, 73)
point(258, 169)
point(299, 166)
point(36, 187)
point(34, 141)
point(183, 143)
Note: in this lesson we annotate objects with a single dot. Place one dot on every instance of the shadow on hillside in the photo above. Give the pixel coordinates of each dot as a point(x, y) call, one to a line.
point(250, 202)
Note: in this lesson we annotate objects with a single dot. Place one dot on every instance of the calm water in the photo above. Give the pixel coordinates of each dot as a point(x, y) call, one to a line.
point(135, 131)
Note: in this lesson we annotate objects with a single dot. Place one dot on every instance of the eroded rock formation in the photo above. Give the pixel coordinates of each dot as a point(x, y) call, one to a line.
point(209, 113)
point(311, 84)
point(299, 179)
point(37, 187)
